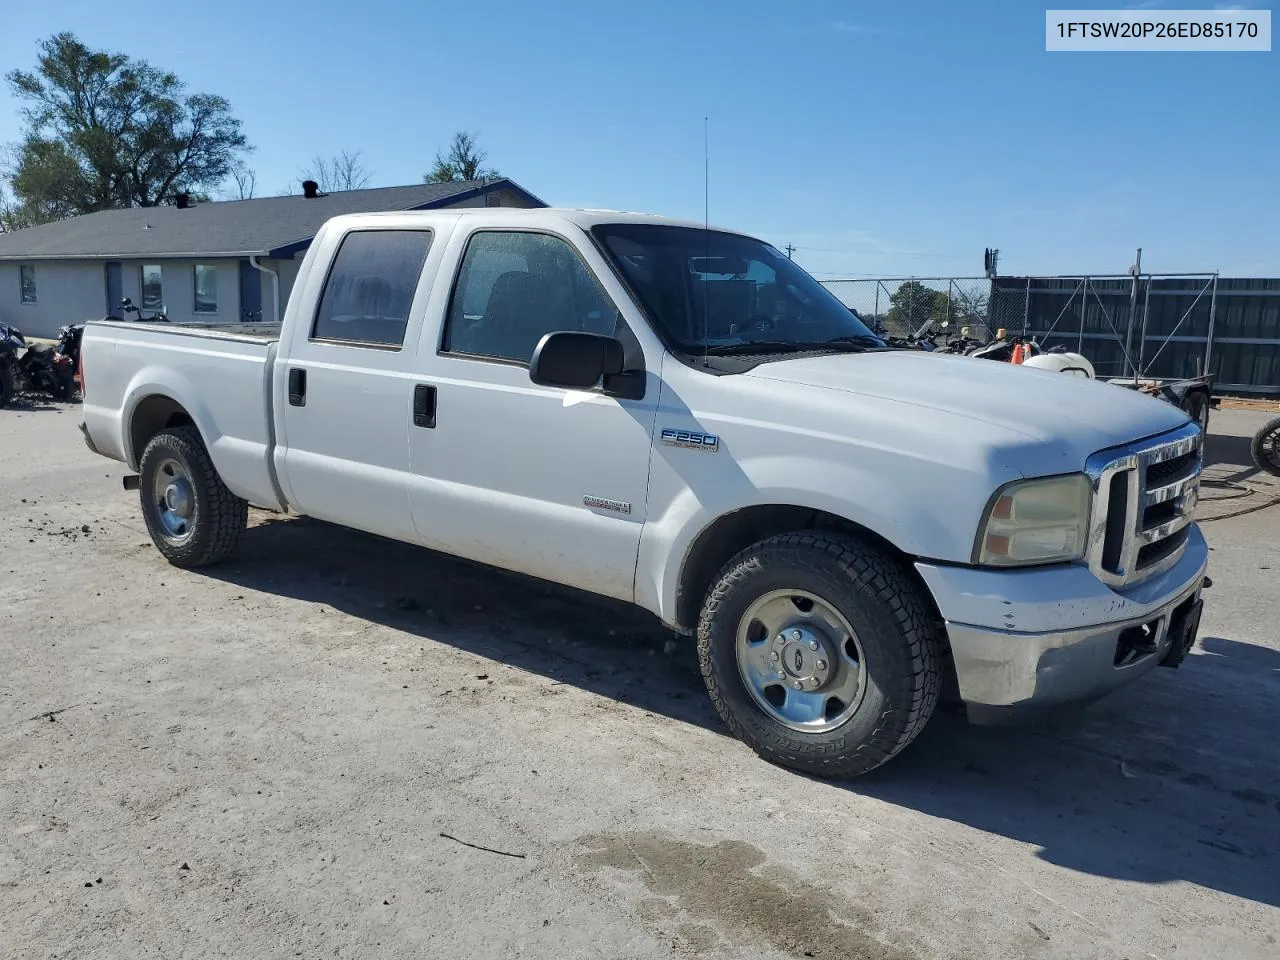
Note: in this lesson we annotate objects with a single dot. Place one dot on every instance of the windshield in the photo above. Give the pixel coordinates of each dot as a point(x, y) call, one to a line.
point(709, 290)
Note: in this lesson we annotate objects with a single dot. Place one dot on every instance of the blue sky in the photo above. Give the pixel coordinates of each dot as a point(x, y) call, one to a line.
point(881, 138)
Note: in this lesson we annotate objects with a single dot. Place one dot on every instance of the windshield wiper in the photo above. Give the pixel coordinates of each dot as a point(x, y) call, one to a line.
point(856, 344)
point(755, 346)
point(859, 339)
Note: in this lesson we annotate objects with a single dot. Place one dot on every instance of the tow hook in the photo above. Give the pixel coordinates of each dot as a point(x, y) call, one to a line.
point(1207, 582)
point(131, 481)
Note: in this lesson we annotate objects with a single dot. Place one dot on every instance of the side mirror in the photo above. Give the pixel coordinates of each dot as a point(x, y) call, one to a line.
point(575, 360)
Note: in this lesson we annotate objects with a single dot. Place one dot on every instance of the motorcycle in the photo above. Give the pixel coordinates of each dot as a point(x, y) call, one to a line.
point(37, 367)
point(127, 306)
point(66, 359)
point(12, 345)
point(1265, 448)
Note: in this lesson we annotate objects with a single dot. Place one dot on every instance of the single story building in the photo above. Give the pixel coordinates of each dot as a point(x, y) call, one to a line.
point(219, 262)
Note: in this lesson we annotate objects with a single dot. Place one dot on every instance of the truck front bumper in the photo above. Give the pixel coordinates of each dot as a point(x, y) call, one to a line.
point(1023, 639)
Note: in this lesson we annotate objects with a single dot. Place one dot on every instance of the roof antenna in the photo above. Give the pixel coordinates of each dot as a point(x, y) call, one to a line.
point(706, 237)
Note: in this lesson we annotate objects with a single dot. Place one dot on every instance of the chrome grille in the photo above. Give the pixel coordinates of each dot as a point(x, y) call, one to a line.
point(1143, 497)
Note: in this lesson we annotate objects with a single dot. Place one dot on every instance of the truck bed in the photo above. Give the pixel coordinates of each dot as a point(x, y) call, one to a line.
point(224, 372)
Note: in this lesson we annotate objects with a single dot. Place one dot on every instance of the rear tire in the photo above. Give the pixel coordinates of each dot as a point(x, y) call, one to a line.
point(193, 519)
point(1265, 448)
point(785, 617)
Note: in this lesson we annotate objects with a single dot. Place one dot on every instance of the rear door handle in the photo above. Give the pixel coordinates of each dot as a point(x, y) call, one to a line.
point(297, 387)
point(424, 405)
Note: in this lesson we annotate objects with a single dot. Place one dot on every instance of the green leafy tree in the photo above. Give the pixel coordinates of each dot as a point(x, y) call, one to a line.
point(463, 160)
point(105, 130)
point(912, 304)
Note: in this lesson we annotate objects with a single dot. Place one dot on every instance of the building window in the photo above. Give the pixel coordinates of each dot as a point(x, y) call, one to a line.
point(206, 286)
point(27, 281)
point(371, 286)
point(153, 287)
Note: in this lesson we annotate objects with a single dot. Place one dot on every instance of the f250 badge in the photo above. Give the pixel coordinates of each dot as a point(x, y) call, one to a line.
point(692, 439)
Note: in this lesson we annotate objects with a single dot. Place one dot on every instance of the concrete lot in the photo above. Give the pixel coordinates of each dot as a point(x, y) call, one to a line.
point(263, 760)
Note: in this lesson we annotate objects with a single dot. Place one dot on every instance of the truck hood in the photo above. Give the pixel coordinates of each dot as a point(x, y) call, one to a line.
point(1071, 416)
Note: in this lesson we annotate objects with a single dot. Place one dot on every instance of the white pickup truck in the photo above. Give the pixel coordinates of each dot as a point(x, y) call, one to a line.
point(684, 419)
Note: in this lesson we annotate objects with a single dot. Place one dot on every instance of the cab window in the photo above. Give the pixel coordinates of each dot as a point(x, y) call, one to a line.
point(513, 287)
point(370, 287)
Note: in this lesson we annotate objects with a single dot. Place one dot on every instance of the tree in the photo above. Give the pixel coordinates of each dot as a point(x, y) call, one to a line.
point(912, 304)
point(970, 306)
point(104, 130)
point(245, 182)
point(462, 161)
point(343, 171)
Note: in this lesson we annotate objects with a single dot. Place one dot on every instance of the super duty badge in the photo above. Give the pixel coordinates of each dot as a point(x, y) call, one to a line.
point(692, 439)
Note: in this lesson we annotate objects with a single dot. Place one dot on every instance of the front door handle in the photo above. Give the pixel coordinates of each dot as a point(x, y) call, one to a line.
point(424, 405)
point(297, 387)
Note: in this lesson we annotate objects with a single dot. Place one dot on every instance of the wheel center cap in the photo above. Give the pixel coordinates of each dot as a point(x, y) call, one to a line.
point(177, 497)
point(802, 655)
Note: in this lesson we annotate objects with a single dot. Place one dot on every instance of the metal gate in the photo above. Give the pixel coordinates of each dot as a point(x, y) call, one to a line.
point(1168, 326)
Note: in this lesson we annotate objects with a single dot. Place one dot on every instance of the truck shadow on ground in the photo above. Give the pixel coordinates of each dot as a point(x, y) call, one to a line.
point(1231, 453)
point(1173, 778)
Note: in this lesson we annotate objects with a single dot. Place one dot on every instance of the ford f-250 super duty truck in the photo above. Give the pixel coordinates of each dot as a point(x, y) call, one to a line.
point(682, 418)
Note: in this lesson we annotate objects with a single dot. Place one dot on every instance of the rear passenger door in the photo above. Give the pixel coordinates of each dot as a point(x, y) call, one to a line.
point(347, 386)
point(542, 480)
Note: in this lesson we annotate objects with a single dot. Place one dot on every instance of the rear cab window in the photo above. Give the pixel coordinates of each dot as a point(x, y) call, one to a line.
point(370, 288)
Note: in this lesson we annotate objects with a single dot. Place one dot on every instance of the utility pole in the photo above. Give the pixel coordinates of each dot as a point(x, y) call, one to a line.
point(790, 250)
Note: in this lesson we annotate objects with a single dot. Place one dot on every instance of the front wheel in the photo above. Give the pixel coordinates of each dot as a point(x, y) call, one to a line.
point(1266, 448)
point(193, 519)
point(819, 651)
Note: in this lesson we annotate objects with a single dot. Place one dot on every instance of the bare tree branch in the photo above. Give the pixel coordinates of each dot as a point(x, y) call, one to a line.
point(342, 171)
point(462, 161)
point(246, 181)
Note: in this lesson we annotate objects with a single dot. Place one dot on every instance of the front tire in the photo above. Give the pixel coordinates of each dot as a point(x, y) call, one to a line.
point(193, 519)
point(819, 651)
point(1265, 448)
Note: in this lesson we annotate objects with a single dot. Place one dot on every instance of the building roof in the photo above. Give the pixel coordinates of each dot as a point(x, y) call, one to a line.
point(229, 228)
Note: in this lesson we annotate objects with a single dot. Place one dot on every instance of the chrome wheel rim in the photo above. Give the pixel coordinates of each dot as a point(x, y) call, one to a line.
point(175, 500)
point(801, 661)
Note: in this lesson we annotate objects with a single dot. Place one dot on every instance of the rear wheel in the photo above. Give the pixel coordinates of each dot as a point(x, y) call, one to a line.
point(819, 651)
point(193, 519)
point(1266, 448)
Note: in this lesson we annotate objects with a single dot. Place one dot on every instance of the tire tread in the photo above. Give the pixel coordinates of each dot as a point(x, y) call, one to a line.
point(878, 578)
point(225, 515)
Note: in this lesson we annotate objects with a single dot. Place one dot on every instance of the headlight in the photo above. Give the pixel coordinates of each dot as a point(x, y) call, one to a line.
point(1036, 521)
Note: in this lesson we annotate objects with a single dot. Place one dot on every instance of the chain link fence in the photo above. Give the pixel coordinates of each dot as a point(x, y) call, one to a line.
point(1165, 326)
point(907, 306)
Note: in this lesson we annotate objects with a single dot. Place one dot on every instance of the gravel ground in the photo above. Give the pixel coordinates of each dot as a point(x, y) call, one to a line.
point(337, 746)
